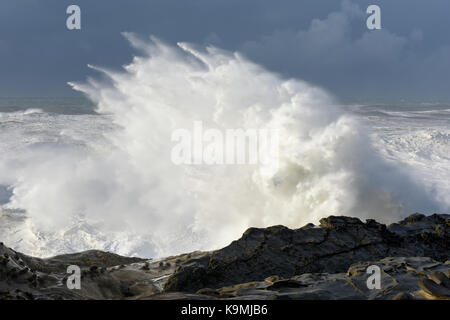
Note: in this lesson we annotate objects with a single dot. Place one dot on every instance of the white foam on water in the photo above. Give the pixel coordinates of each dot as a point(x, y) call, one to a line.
point(107, 182)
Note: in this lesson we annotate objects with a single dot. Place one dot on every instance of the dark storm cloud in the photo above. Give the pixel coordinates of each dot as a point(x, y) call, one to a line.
point(356, 62)
point(325, 42)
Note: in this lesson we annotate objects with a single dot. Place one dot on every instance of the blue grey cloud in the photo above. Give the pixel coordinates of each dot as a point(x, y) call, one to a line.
point(325, 42)
point(356, 64)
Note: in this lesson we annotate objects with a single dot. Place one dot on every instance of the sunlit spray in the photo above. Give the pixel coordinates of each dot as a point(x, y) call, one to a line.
point(134, 193)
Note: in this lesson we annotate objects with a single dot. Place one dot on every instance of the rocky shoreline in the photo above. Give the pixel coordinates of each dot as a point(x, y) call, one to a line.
point(328, 261)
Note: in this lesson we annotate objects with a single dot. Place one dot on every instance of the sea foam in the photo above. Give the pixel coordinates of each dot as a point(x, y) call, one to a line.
point(132, 199)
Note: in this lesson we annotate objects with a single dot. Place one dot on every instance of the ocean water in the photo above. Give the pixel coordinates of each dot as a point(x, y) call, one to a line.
point(418, 137)
point(85, 173)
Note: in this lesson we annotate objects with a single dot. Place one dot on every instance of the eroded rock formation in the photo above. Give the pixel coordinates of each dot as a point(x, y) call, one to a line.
point(328, 261)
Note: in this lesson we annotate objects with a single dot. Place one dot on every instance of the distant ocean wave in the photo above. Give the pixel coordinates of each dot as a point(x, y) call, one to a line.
point(68, 105)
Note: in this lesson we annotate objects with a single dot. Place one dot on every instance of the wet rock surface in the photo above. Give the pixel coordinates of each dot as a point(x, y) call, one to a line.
point(330, 247)
point(328, 261)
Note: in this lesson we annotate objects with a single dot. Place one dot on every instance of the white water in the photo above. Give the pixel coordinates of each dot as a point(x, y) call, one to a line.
point(107, 182)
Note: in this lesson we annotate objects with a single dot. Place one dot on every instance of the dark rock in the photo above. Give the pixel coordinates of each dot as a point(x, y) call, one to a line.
point(286, 283)
point(272, 279)
point(403, 296)
point(440, 278)
point(332, 247)
point(209, 292)
point(23, 271)
point(85, 259)
point(434, 289)
point(125, 289)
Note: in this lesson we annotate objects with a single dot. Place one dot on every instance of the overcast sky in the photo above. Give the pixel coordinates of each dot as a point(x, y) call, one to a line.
point(325, 42)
